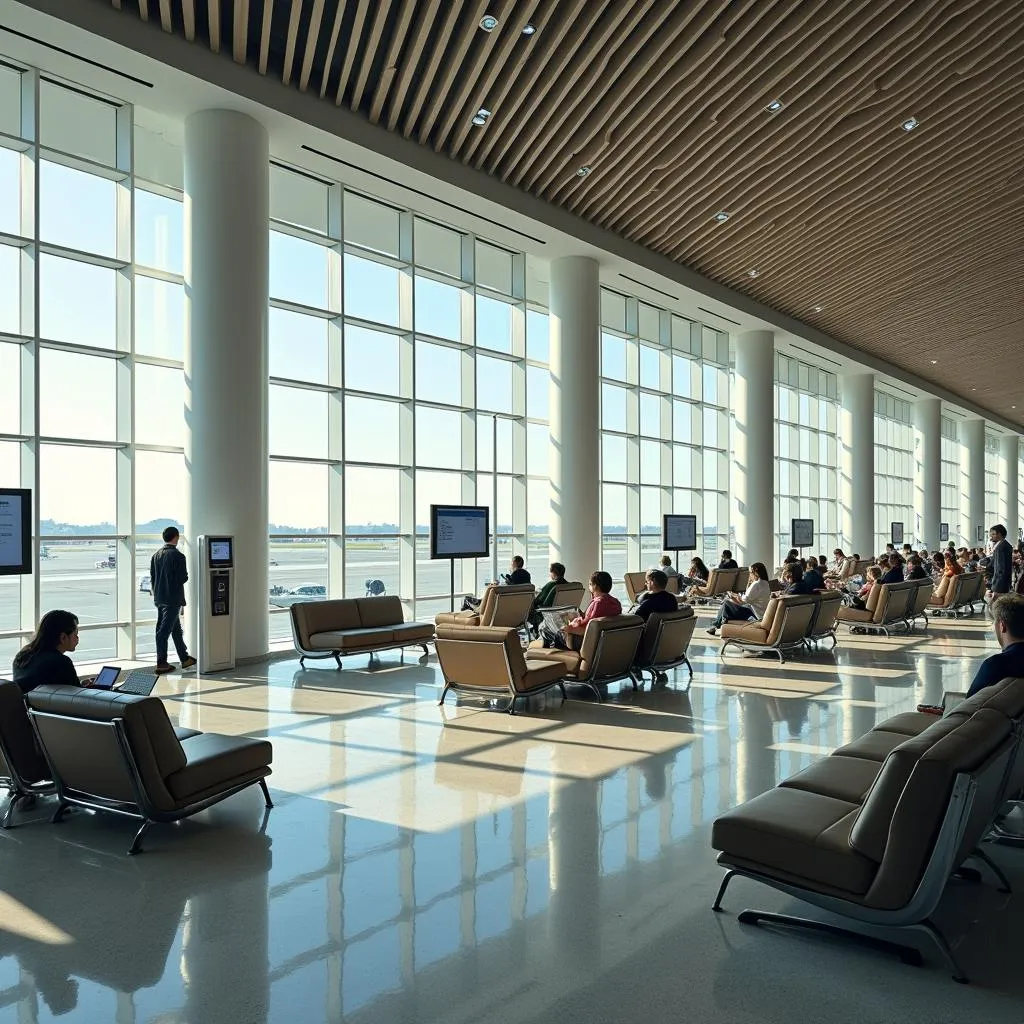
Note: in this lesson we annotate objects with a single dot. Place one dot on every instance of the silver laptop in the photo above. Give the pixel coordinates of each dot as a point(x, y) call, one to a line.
point(139, 682)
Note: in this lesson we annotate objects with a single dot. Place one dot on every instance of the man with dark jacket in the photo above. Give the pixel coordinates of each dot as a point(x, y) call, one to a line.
point(655, 598)
point(519, 576)
point(168, 575)
point(1002, 562)
point(892, 570)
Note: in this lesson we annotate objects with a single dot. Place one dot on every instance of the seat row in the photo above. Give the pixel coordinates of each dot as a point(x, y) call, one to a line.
point(891, 606)
point(490, 660)
point(118, 752)
point(873, 831)
point(791, 622)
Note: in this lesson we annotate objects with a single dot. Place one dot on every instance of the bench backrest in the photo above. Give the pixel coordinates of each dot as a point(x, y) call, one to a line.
point(636, 584)
point(19, 755)
point(720, 581)
point(568, 595)
point(489, 657)
point(609, 646)
point(792, 617)
point(893, 600)
point(509, 606)
point(739, 585)
point(826, 615)
point(922, 597)
point(666, 637)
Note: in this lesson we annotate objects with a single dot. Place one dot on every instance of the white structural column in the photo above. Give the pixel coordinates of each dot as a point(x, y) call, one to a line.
point(928, 486)
point(227, 246)
point(575, 457)
point(974, 445)
point(754, 447)
point(1011, 472)
point(857, 436)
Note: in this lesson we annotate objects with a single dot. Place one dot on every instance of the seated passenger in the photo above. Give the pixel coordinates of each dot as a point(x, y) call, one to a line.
point(812, 575)
point(860, 600)
point(1008, 626)
point(791, 556)
point(44, 659)
point(793, 577)
point(518, 576)
point(655, 598)
point(602, 605)
point(546, 597)
point(697, 573)
point(892, 570)
point(751, 604)
point(917, 570)
point(727, 562)
point(666, 566)
point(838, 562)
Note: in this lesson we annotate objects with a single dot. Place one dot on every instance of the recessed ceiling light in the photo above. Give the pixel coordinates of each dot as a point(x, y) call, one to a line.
point(910, 124)
point(752, 273)
point(583, 171)
point(935, 362)
point(775, 106)
point(481, 116)
point(818, 309)
point(529, 29)
point(721, 216)
point(488, 22)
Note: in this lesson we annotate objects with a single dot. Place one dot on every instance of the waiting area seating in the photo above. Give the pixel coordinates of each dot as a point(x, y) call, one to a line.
point(664, 643)
point(500, 605)
point(720, 582)
point(957, 595)
point(890, 606)
point(873, 832)
point(118, 752)
point(23, 768)
point(636, 585)
point(783, 628)
point(360, 625)
point(490, 660)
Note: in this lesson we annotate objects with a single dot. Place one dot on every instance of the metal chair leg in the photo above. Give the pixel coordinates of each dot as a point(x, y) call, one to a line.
point(59, 813)
point(444, 693)
point(11, 804)
point(136, 846)
point(929, 928)
point(266, 793)
point(717, 905)
point(1004, 882)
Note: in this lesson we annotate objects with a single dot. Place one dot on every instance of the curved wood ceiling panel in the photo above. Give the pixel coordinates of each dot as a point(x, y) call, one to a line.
point(907, 244)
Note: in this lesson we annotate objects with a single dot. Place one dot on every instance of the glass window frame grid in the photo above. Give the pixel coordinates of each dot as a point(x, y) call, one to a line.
point(994, 474)
point(952, 510)
point(820, 389)
point(474, 477)
point(894, 468)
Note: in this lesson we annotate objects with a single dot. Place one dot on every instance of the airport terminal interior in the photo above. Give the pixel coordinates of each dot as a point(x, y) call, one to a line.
point(310, 280)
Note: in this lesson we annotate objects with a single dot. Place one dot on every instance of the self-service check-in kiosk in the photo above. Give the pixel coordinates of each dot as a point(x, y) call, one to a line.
point(216, 611)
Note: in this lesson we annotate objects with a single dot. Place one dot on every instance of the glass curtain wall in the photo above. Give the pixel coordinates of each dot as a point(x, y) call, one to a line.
point(665, 433)
point(807, 454)
point(952, 511)
point(91, 381)
point(894, 468)
point(994, 502)
point(399, 379)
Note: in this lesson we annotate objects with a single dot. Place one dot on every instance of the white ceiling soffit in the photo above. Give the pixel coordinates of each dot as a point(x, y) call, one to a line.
point(96, 46)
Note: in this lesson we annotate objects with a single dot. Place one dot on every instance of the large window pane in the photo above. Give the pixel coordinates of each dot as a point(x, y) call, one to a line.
point(438, 309)
point(10, 389)
point(299, 270)
point(78, 488)
point(79, 124)
point(372, 360)
point(159, 405)
point(438, 373)
point(298, 422)
point(159, 318)
point(371, 430)
point(65, 195)
point(298, 496)
point(371, 291)
point(371, 500)
point(493, 324)
point(371, 225)
point(494, 384)
point(438, 437)
point(77, 302)
point(159, 232)
point(10, 290)
point(77, 396)
point(298, 346)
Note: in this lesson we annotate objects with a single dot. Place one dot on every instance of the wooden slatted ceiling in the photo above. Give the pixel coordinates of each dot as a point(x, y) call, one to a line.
point(910, 242)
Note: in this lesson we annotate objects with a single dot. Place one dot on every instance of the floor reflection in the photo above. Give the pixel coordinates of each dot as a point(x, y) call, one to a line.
point(456, 863)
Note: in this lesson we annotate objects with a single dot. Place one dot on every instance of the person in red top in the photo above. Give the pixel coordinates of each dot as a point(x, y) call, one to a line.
point(602, 604)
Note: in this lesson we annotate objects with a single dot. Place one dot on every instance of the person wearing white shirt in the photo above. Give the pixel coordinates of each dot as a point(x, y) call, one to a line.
point(666, 566)
point(750, 605)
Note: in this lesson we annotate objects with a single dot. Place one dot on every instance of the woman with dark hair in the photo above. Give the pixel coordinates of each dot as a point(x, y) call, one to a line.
point(44, 659)
point(916, 570)
point(696, 574)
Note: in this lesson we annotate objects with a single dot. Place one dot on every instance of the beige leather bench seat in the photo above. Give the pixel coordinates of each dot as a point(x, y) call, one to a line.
point(209, 756)
point(351, 639)
point(876, 745)
point(842, 778)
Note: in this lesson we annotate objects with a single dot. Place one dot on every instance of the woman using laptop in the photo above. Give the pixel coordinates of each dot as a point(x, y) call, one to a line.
point(44, 659)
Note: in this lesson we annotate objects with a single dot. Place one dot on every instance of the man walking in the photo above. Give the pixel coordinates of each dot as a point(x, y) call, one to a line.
point(168, 575)
point(1001, 563)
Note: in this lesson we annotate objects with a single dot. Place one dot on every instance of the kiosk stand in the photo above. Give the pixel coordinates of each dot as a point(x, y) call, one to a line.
point(215, 606)
point(678, 533)
point(457, 532)
point(801, 534)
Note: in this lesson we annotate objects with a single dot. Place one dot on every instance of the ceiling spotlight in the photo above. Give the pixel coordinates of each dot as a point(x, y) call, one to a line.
point(935, 362)
point(752, 273)
point(583, 171)
point(818, 309)
point(528, 29)
point(721, 216)
point(775, 106)
point(910, 124)
point(488, 22)
point(481, 116)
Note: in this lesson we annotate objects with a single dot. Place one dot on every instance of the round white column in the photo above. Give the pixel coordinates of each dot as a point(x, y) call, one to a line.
point(974, 442)
point(753, 470)
point(227, 257)
point(857, 436)
point(928, 486)
point(1011, 497)
point(575, 411)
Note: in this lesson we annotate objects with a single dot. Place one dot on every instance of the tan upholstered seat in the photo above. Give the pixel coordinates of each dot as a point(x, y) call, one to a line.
point(568, 595)
point(499, 606)
point(665, 641)
point(873, 831)
point(887, 607)
point(720, 582)
point(111, 749)
point(783, 627)
point(636, 584)
point(606, 654)
point(825, 619)
point(328, 629)
point(490, 660)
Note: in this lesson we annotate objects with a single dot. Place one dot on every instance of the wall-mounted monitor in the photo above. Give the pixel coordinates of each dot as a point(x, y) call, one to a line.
point(679, 533)
point(981, 534)
point(460, 531)
point(896, 533)
point(801, 533)
point(220, 552)
point(943, 532)
point(15, 531)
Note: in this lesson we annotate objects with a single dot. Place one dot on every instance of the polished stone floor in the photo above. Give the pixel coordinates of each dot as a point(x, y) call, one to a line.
point(457, 864)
